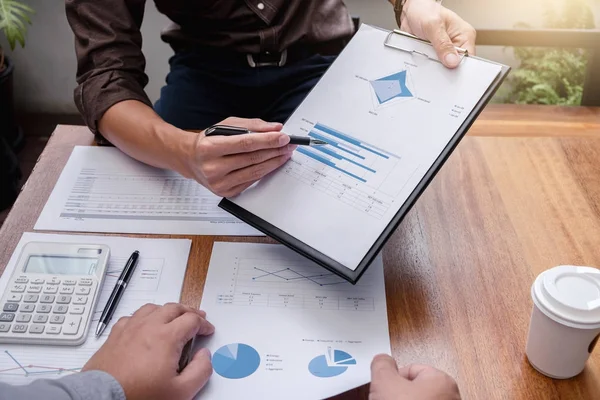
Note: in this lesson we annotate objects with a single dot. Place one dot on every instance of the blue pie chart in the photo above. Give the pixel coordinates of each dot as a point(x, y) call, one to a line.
point(338, 364)
point(236, 361)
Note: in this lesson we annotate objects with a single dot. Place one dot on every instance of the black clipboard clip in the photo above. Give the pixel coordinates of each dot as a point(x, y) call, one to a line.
point(461, 52)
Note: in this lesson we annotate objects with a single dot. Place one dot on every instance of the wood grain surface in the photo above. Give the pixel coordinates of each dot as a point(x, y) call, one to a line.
point(533, 120)
point(459, 268)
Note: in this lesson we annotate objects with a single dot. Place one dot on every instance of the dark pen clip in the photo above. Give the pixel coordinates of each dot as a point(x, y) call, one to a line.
point(225, 130)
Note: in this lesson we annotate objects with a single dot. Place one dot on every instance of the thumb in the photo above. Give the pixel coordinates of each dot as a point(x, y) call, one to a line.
point(386, 381)
point(444, 47)
point(195, 375)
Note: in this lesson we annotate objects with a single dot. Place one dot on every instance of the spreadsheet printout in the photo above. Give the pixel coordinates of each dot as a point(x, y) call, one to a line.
point(102, 189)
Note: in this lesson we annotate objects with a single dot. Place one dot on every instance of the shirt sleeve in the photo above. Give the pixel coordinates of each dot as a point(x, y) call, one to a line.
point(89, 385)
point(110, 62)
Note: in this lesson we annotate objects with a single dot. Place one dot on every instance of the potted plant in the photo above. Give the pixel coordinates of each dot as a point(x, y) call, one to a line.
point(14, 17)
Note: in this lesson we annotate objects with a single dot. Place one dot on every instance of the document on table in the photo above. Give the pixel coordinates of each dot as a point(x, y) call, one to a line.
point(102, 189)
point(286, 328)
point(387, 115)
point(158, 279)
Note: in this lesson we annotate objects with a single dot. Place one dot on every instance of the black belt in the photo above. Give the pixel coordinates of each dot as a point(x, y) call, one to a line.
point(290, 55)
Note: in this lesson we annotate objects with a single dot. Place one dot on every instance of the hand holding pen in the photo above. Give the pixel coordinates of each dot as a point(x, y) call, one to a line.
point(224, 130)
point(229, 164)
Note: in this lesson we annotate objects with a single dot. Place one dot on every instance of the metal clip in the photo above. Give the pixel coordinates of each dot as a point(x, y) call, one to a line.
point(462, 52)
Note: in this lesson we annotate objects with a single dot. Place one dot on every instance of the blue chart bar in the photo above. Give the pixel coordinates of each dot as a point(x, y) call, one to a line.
point(339, 157)
point(348, 139)
point(334, 144)
point(327, 162)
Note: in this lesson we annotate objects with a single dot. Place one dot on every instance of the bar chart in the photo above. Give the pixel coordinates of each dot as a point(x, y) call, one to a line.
point(351, 170)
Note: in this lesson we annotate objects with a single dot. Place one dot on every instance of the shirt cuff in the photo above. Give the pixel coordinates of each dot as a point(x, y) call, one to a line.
point(97, 94)
point(94, 385)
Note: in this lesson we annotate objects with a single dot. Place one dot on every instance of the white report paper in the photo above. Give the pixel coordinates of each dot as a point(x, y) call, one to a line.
point(387, 114)
point(286, 328)
point(101, 189)
point(158, 278)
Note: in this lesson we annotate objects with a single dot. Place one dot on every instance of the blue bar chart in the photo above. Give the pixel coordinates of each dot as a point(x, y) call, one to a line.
point(353, 171)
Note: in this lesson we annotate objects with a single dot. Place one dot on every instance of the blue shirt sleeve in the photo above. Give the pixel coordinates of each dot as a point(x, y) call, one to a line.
point(89, 385)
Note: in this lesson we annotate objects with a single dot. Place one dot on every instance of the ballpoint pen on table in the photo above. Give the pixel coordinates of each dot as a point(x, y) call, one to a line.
point(224, 130)
point(117, 293)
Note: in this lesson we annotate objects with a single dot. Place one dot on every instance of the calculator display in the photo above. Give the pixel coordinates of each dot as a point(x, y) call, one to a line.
point(61, 265)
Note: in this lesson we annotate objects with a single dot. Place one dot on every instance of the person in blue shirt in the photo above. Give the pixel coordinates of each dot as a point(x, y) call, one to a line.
point(140, 359)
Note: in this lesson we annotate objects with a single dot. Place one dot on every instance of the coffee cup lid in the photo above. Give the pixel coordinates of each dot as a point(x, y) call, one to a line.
point(569, 294)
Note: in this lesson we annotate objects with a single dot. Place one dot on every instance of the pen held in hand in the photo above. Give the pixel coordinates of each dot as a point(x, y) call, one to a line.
point(223, 130)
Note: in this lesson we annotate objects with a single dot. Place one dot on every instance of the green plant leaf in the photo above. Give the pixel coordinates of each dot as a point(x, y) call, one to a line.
point(14, 18)
point(550, 75)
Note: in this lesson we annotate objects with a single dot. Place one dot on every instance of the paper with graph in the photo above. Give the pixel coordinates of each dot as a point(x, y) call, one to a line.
point(101, 189)
point(158, 279)
point(287, 328)
point(386, 115)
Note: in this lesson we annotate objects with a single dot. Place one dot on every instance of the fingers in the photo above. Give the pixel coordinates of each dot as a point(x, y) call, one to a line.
point(256, 172)
point(443, 46)
point(217, 146)
point(254, 124)
point(189, 325)
point(238, 161)
point(145, 310)
point(171, 311)
point(234, 191)
point(383, 369)
point(195, 375)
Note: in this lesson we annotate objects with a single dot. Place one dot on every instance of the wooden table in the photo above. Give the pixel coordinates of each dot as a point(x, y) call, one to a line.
point(506, 206)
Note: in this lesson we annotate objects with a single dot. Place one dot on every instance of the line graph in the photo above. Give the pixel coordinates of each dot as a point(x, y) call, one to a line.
point(319, 279)
point(294, 284)
point(27, 370)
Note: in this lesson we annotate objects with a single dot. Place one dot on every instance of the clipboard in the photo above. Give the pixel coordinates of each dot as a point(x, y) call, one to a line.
point(329, 263)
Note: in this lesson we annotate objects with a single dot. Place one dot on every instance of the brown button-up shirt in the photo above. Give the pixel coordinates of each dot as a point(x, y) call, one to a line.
point(111, 66)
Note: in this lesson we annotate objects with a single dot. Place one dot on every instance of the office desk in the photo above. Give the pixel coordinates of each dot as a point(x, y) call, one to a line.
point(506, 206)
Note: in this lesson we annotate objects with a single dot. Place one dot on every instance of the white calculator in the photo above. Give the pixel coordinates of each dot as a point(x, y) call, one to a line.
point(52, 293)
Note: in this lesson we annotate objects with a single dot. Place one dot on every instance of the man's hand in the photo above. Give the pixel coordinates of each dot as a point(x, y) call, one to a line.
point(227, 165)
point(412, 382)
point(142, 353)
point(428, 20)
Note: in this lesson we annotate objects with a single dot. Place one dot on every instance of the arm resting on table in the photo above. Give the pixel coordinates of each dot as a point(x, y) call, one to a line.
point(90, 385)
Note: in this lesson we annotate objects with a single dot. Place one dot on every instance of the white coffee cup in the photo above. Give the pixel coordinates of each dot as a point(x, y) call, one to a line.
point(565, 321)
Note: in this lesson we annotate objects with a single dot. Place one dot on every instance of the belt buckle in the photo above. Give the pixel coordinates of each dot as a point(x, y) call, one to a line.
point(282, 60)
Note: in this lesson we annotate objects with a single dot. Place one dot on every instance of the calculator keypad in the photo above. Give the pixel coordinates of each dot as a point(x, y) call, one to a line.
point(18, 288)
point(23, 318)
point(11, 307)
point(31, 298)
point(27, 307)
point(14, 297)
point(50, 289)
point(43, 307)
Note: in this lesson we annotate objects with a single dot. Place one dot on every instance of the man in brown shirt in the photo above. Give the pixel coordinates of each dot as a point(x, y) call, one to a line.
point(253, 59)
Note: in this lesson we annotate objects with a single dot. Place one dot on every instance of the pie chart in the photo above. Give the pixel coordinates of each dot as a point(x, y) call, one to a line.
point(333, 363)
point(236, 361)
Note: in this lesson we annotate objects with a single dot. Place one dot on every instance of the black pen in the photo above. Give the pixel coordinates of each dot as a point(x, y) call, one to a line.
point(117, 293)
point(224, 130)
